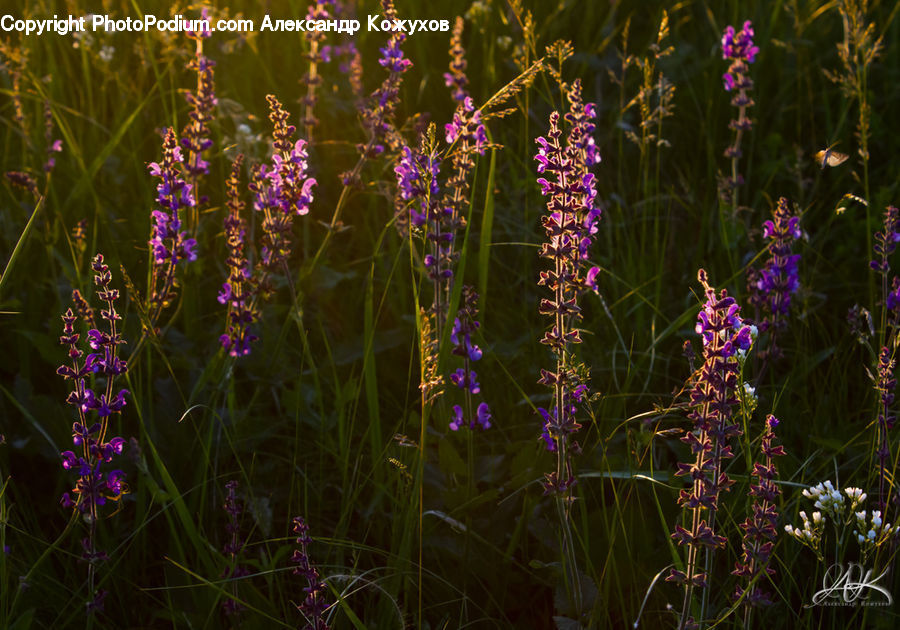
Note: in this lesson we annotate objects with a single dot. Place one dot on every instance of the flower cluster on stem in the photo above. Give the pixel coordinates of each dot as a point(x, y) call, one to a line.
point(842, 509)
point(759, 528)
point(315, 56)
point(772, 286)
point(313, 605)
point(378, 113)
point(885, 243)
point(238, 292)
point(456, 79)
point(95, 407)
point(195, 136)
point(570, 224)
point(739, 49)
point(726, 338)
point(282, 189)
point(169, 244)
point(465, 378)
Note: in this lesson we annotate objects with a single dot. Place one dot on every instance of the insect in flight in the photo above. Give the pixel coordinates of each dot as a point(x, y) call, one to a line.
point(827, 157)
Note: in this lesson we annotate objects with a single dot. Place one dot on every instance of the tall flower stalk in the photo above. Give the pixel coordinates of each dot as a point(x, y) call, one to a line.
point(883, 380)
point(238, 293)
point(95, 486)
point(760, 527)
point(713, 401)
point(569, 224)
point(313, 605)
point(169, 244)
point(738, 48)
point(312, 79)
point(772, 286)
point(195, 136)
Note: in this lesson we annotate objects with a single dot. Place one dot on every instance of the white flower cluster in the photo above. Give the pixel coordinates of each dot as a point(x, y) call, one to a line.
point(811, 532)
point(876, 531)
point(831, 501)
point(749, 399)
point(842, 507)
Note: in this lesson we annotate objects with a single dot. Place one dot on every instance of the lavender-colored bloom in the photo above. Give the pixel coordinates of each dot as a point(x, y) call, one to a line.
point(739, 48)
point(417, 180)
point(313, 605)
point(713, 400)
point(886, 241)
point(569, 224)
point(237, 292)
point(772, 286)
point(739, 45)
point(281, 189)
point(467, 126)
point(378, 113)
point(392, 56)
point(760, 527)
point(464, 326)
point(93, 488)
point(169, 244)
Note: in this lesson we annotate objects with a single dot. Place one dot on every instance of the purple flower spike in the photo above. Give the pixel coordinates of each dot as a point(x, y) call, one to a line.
point(760, 529)
point(713, 399)
point(772, 286)
point(464, 326)
point(94, 487)
point(570, 225)
point(313, 606)
point(739, 48)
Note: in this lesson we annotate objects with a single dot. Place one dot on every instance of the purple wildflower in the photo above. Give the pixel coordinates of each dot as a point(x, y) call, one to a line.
point(94, 486)
point(568, 223)
point(169, 244)
point(760, 527)
point(772, 286)
point(886, 241)
point(739, 48)
point(313, 605)
point(713, 399)
point(465, 378)
point(281, 189)
point(237, 292)
point(378, 114)
point(195, 137)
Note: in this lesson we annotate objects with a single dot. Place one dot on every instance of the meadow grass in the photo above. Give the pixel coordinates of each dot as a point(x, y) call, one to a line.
point(410, 523)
